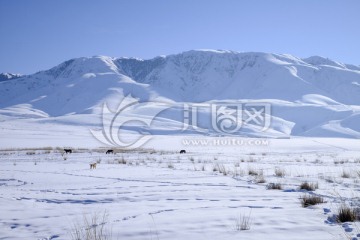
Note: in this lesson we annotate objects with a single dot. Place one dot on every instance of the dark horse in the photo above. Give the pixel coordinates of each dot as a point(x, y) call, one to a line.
point(182, 151)
point(67, 150)
point(109, 151)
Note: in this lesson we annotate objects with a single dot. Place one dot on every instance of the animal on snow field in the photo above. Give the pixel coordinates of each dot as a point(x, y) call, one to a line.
point(182, 151)
point(92, 165)
point(109, 151)
point(67, 150)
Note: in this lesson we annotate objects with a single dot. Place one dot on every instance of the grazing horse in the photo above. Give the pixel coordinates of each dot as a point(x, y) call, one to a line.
point(182, 151)
point(109, 151)
point(67, 150)
point(92, 165)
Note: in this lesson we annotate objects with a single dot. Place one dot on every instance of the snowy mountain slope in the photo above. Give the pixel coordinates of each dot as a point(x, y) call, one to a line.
point(312, 97)
point(205, 75)
point(76, 86)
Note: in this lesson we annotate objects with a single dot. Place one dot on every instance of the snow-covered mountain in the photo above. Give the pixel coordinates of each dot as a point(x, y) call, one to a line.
point(207, 75)
point(8, 76)
point(314, 96)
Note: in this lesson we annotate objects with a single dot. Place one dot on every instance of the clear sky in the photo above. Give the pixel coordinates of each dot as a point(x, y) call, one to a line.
point(39, 34)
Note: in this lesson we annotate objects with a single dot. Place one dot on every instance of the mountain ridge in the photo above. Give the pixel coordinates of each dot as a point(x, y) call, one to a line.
point(8, 76)
point(317, 87)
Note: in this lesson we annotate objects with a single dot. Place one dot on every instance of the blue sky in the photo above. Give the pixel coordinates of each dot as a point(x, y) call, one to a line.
point(39, 34)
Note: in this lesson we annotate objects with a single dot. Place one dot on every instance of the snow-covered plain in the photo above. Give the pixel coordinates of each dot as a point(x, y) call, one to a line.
point(157, 193)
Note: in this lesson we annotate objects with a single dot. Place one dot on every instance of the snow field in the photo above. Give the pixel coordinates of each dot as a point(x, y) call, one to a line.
point(156, 193)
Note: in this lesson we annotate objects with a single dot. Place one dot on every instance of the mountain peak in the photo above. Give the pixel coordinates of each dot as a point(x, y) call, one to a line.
point(9, 76)
point(322, 61)
point(218, 51)
point(77, 67)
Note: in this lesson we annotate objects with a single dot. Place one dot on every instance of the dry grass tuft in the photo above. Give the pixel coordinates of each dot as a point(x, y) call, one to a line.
point(347, 214)
point(345, 174)
point(170, 165)
point(280, 172)
point(253, 172)
point(274, 186)
point(92, 228)
point(121, 160)
point(243, 222)
point(309, 186)
point(309, 200)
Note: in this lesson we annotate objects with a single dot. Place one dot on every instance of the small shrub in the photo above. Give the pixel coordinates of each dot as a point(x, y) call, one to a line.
point(345, 174)
point(222, 169)
point(92, 228)
point(260, 179)
point(280, 172)
point(259, 176)
point(203, 168)
point(170, 165)
point(238, 172)
point(329, 179)
point(338, 162)
point(252, 172)
point(243, 222)
point(274, 186)
point(308, 200)
point(121, 160)
point(346, 214)
point(309, 186)
point(317, 161)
